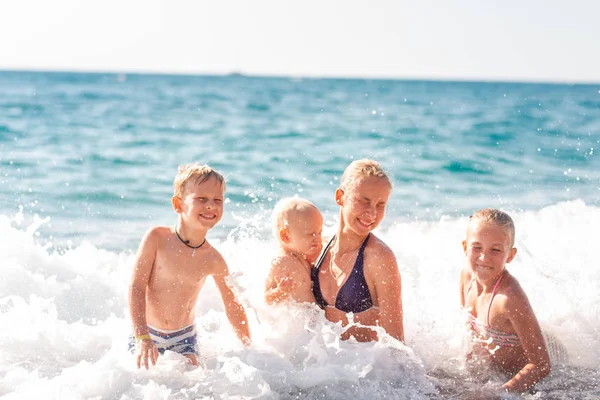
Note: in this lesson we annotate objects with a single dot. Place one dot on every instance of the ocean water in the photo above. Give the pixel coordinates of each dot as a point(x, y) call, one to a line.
point(87, 163)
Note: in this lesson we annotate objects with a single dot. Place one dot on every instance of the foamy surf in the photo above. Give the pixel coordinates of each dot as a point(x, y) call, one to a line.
point(66, 325)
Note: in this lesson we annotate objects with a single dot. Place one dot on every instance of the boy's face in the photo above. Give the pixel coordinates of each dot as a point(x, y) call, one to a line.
point(304, 233)
point(363, 205)
point(202, 204)
point(488, 249)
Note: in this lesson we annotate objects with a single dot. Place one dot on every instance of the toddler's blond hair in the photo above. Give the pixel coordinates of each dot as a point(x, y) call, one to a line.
point(286, 208)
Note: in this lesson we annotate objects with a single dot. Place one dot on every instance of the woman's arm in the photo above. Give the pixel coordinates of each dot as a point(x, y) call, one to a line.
point(388, 288)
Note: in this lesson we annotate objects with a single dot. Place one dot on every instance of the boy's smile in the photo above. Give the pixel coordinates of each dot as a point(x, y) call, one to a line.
point(209, 216)
point(202, 203)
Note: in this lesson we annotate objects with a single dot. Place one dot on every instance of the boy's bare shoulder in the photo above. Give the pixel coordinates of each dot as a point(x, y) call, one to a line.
point(215, 260)
point(160, 231)
point(213, 253)
point(157, 234)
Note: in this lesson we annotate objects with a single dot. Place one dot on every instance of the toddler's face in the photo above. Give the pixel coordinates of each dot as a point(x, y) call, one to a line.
point(305, 233)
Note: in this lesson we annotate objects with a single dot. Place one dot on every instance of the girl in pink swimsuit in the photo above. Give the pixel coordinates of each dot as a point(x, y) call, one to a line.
point(506, 333)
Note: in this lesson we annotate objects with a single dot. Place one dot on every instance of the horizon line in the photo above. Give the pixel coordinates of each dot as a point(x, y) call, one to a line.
point(448, 79)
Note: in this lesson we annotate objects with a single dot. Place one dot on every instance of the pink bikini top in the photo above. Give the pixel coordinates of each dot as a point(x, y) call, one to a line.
point(488, 334)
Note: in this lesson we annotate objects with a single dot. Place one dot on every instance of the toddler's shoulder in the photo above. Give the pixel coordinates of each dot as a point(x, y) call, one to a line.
point(283, 261)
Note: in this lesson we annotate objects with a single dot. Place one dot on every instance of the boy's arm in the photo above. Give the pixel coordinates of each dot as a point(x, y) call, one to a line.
point(278, 285)
point(528, 330)
point(388, 285)
point(233, 309)
point(142, 269)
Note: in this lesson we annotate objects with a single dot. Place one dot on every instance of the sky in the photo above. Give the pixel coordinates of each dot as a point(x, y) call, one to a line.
point(515, 40)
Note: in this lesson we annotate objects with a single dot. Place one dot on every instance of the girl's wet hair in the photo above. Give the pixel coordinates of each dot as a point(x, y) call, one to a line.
point(196, 173)
point(360, 169)
point(497, 217)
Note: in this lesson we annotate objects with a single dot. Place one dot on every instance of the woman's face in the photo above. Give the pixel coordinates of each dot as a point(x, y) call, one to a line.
point(363, 203)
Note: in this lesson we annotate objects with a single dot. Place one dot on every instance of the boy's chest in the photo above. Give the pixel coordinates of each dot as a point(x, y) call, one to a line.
point(179, 269)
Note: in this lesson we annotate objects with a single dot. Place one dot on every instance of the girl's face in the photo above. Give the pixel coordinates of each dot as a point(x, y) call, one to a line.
point(488, 248)
point(363, 203)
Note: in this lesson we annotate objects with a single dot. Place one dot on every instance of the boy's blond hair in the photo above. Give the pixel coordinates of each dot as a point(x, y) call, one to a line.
point(496, 217)
point(359, 169)
point(285, 209)
point(196, 173)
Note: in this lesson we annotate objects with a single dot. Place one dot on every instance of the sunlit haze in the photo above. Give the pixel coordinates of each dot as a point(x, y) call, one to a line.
point(468, 40)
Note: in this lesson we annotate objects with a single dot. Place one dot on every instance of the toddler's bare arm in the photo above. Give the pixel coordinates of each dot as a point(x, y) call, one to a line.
point(279, 284)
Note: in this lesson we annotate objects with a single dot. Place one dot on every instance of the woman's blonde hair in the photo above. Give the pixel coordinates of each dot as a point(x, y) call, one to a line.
point(360, 169)
point(196, 173)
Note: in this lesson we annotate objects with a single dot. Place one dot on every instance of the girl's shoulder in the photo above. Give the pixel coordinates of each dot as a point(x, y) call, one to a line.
point(511, 294)
point(466, 275)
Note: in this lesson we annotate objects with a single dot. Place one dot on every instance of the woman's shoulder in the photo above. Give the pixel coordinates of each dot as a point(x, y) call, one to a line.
point(378, 252)
point(376, 245)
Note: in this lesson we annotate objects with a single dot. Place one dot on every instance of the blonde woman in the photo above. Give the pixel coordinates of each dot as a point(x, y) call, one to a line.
point(357, 275)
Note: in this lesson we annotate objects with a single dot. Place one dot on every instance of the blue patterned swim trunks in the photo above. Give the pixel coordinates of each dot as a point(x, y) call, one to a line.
point(182, 341)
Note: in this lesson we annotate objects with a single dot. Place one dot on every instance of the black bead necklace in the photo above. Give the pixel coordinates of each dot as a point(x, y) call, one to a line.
point(187, 243)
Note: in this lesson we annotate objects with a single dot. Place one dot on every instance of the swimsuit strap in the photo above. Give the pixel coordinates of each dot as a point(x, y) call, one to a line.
point(320, 260)
point(487, 319)
point(363, 246)
point(314, 275)
point(470, 286)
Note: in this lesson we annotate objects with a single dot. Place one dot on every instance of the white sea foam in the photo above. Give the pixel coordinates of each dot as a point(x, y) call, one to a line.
point(65, 320)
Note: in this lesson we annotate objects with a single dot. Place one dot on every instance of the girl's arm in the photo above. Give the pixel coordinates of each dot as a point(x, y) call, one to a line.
point(528, 330)
point(465, 276)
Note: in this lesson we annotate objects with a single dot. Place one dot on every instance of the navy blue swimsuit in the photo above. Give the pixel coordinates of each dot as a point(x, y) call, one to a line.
point(354, 296)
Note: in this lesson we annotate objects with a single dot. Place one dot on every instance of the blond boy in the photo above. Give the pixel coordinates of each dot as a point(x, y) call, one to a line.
point(171, 267)
point(297, 226)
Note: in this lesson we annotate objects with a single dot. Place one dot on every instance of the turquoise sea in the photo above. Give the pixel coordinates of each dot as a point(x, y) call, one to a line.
point(87, 163)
